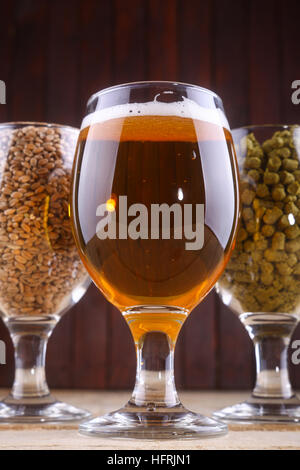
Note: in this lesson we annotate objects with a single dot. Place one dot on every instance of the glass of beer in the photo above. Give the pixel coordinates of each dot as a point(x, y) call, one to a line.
point(154, 209)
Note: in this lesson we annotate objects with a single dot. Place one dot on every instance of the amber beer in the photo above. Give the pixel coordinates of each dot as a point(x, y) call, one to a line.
point(154, 158)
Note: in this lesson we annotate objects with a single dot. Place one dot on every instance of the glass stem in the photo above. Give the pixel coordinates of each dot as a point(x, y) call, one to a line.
point(155, 385)
point(271, 340)
point(272, 367)
point(30, 342)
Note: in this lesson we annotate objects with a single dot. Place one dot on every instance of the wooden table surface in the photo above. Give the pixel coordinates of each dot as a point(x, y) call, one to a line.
point(55, 437)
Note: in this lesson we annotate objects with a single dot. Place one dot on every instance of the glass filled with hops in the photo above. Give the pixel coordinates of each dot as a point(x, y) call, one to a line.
point(261, 282)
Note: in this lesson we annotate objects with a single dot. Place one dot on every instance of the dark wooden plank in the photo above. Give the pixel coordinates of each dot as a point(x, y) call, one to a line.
point(264, 63)
point(179, 366)
point(236, 362)
point(23, 69)
point(121, 363)
point(198, 363)
point(129, 41)
point(55, 54)
point(128, 64)
point(63, 103)
point(294, 368)
point(290, 59)
point(290, 112)
point(195, 356)
point(230, 79)
point(195, 23)
point(96, 43)
point(90, 341)
point(62, 106)
point(7, 50)
point(6, 370)
point(162, 64)
point(161, 28)
point(59, 353)
point(29, 74)
point(90, 316)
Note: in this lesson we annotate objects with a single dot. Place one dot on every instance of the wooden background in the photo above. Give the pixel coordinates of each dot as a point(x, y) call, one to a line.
point(54, 54)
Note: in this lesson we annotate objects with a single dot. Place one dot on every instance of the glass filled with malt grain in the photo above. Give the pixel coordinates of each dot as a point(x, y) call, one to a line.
point(41, 275)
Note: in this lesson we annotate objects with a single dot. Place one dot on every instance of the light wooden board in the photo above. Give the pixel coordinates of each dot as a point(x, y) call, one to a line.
point(52, 437)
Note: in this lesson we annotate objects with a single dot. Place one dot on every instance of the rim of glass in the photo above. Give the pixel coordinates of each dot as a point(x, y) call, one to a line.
point(38, 124)
point(150, 82)
point(262, 126)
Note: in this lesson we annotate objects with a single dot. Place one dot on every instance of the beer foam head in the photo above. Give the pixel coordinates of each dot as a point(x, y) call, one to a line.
point(184, 109)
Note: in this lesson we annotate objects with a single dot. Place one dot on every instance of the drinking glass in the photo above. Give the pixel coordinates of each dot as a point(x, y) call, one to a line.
point(41, 275)
point(154, 208)
point(261, 282)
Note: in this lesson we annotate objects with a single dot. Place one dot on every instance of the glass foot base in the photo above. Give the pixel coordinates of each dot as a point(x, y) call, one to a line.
point(263, 410)
point(162, 423)
point(42, 410)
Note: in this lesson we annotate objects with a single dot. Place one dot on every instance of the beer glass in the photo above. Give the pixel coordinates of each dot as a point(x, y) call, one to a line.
point(41, 275)
point(261, 282)
point(154, 208)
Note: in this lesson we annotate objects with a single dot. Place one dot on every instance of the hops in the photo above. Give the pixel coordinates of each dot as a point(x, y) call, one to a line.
point(264, 272)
